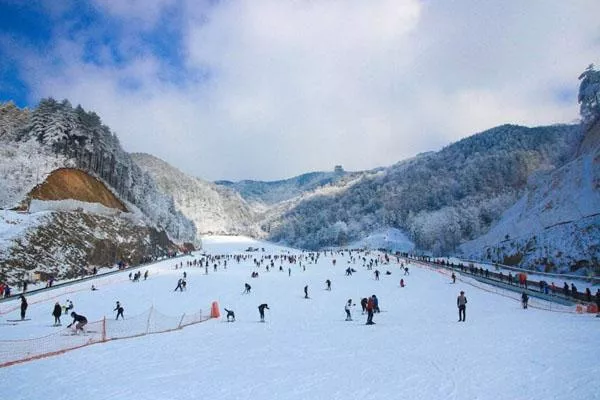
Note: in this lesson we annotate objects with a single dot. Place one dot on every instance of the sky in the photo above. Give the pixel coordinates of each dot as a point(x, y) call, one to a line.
point(270, 89)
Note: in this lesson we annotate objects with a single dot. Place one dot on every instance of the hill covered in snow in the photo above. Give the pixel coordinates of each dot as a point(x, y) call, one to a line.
point(213, 209)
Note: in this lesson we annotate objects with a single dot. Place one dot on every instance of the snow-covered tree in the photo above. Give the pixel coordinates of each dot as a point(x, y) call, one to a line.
point(589, 95)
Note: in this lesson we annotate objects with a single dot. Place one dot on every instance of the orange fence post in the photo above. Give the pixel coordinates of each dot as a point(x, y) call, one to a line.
point(214, 310)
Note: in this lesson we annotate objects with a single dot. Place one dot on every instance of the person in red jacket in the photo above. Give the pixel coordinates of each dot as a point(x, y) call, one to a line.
point(370, 308)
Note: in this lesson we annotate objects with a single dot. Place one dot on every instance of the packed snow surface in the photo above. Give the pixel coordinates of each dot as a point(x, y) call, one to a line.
point(305, 349)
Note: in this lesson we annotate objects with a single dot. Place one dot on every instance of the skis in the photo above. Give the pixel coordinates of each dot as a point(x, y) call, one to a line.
point(18, 320)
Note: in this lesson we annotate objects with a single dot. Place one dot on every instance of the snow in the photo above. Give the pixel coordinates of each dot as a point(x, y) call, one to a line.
point(305, 350)
point(391, 239)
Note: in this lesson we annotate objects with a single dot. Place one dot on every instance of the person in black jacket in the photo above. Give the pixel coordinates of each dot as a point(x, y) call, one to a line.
point(57, 312)
point(23, 307)
point(79, 320)
point(524, 300)
point(119, 309)
point(261, 310)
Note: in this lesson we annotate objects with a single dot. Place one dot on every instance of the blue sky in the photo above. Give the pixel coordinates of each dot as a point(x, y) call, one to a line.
point(268, 89)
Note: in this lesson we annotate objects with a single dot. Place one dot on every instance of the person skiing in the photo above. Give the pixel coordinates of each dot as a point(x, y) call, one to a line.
point(370, 307)
point(119, 309)
point(289, 271)
point(247, 288)
point(179, 285)
point(406, 271)
point(23, 307)
point(146, 275)
point(461, 303)
point(524, 300)
point(69, 306)
point(376, 274)
point(347, 309)
point(306, 292)
point(57, 312)
point(376, 304)
point(401, 282)
point(79, 320)
point(363, 304)
point(261, 310)
point(453, 278)
point(328, 283)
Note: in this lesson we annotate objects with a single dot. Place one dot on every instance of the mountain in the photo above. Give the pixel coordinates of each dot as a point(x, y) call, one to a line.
point(440, 199)
point(73, 199)
point(214, 209)
point(274, 192)
point(555, 225)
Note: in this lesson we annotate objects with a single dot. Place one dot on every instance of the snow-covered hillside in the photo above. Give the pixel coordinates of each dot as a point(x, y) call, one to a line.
point(212, 208)
point(555, 226)
point(306, 349)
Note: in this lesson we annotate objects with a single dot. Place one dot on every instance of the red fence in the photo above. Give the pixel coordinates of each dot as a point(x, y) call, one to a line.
point(18, 351)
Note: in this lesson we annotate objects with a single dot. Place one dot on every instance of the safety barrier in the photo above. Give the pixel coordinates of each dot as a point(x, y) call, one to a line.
point(150, 322)
point(493, 288)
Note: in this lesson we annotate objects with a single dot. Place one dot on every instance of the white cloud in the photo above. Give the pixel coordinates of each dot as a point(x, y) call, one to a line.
point(304, 85)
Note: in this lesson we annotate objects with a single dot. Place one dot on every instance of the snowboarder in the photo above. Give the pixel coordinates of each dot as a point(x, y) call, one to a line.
point(461, 303)
point(306, 292)
point(261, 310)
point(57, 312)
point(370, 307)
point(328, 283)
point(524, 300)
point(119, 309)
point(79, 320)
point(347, 309)
point(247, 288)
point(23, 307)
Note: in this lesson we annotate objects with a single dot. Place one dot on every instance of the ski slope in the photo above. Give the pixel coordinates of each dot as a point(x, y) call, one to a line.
point(305, 349)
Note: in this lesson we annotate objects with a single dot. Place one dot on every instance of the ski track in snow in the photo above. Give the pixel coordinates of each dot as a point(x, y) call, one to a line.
point(305, 349)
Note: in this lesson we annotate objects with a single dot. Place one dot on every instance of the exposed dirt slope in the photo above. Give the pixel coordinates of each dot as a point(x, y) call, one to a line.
point(69, 183)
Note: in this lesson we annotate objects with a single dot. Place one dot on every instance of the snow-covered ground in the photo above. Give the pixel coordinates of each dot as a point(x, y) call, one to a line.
point(305, 350)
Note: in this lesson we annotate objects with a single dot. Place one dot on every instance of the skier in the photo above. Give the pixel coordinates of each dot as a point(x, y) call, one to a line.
point(328, 283)
point(401, 282)
point(347, 309)
point(57, 312)
point(406, 271)
point(376, 274)
point(524, 300)
point(370, 307)
point(119, 309)
point(69, 306)
point(247, 288)
point(363, 304)
point(453, 278)
point(376, 304)
point(146, 275)
point(179, 285)
point(306, 292)
point(289, 271)
point(80, 321)
point(461, 303)
point(261, 310)
point(23, 307)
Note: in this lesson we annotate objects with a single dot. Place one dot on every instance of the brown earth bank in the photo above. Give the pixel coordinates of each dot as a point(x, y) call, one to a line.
point(70, 183)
